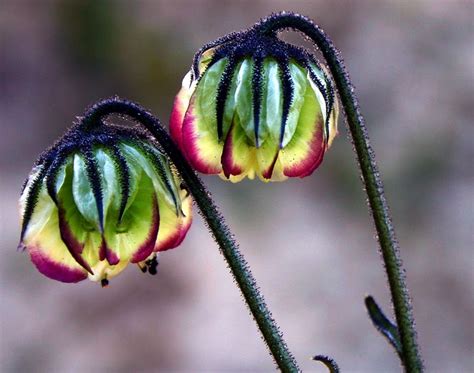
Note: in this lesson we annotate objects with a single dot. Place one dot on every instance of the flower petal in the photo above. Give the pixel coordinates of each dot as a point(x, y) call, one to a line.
point(80, 237)
point(237, 157)
point(300, 83)
point(45, 246)
point(200, 144)
point(180, 105)
point(272, 103)
point(144, 159)
point(60, 270)
point(333, 118)
point(322, 75)
point(200, 141)
point(243, 97)
point(305, 151)
point(82, 191)
point(173, 227)
point(109, 182)
point(267, 156)
point(133, 238)
point(42, 210)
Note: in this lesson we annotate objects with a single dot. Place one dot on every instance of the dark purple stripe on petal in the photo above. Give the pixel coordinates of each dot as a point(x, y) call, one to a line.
point(106, 253)
point(146, 248)
point(74, 247)
point(55, 270)
point(267, 174)
point(228, 165)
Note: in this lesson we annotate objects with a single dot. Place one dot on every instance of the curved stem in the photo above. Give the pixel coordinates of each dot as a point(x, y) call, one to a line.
point(371, 178)
point(229, 248)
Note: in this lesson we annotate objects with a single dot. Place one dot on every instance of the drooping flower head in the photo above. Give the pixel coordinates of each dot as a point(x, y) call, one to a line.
point(99, 199)
point(253, 104)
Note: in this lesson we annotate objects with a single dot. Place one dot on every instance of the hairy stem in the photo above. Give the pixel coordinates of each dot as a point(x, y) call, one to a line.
point(370, 175)
point(229, 248)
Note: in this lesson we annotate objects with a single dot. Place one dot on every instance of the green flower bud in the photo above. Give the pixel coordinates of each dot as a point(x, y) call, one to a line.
point(98, 200)
point(254, 105)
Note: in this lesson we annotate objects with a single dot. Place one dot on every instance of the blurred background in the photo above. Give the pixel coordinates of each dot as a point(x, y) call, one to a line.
point(309, 242)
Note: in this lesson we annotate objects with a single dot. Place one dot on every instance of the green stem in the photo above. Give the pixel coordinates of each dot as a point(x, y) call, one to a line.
point(370, 175)
point(229, 248)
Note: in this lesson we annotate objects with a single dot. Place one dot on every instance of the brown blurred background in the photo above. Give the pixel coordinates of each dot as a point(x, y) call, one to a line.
point(309, 242)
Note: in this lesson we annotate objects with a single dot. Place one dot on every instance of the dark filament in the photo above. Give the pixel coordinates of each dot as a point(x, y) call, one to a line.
point(152, 265)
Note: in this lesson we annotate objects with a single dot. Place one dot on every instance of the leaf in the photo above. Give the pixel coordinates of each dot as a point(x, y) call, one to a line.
point(383, 324)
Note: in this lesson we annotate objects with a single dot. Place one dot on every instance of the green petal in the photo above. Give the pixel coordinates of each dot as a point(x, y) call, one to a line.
point(135, 236)
point(305, 150)
point(333, 118)
point(300, 82)
point(272, 102)
point(139, 162)
point(322, 79)
point(80, 236)
point(109, 182)
point(82, 192)
point(135, 167)
point(168, 181)
point(230, 104)
point(206, 93)
point(244, 101)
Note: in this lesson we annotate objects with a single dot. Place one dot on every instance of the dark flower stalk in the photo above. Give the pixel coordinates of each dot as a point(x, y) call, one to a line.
point(229, 248)
point(411, 358)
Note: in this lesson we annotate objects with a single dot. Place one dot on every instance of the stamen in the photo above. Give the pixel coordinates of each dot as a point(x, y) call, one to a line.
point(152, 265)
point(142, 267)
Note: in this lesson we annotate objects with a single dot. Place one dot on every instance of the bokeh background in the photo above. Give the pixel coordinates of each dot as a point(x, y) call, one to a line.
point(309, 242)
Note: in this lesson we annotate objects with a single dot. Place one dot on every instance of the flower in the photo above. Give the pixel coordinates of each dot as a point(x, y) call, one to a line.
point(254, 105)
point(98, 200)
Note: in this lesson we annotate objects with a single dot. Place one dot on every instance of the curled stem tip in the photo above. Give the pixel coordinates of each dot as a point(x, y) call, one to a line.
point(329, 362)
